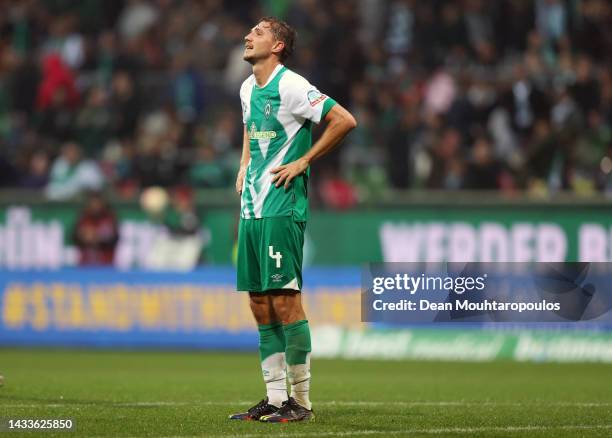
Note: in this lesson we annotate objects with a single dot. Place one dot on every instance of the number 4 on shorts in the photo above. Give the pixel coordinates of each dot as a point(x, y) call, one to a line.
point(275, 255)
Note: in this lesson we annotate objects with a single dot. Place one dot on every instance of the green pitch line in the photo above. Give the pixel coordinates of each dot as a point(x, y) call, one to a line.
point(190, 394)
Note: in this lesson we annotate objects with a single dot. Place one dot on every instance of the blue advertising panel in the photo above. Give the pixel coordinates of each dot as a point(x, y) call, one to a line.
point(200, 309)
point(110, 308)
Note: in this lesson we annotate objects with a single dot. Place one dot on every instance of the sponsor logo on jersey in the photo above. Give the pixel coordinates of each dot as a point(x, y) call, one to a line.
point(315, 97)
point(254, 134)
point(276, 277)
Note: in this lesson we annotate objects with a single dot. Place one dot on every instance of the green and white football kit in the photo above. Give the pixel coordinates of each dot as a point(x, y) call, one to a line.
point(278, 118)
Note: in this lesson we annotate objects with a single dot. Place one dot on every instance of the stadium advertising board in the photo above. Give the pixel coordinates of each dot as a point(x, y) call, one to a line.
point(136, 309)
point(200, 309)
point(39, 237)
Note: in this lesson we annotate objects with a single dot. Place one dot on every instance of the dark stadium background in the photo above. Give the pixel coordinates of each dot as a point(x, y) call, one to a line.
point(484, 134)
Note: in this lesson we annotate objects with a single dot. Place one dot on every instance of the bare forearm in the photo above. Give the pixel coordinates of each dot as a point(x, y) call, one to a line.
point(340, 123)
point(244, 161)
point(246, 150)
point(333, 135)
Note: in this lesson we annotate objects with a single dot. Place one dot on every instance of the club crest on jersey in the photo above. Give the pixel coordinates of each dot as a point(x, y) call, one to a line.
point(254, 134)
point(268, 109)
point(315, 96)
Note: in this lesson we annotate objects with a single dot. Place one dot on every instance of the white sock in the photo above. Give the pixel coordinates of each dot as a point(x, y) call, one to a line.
point(299, 378)
point(275, 376)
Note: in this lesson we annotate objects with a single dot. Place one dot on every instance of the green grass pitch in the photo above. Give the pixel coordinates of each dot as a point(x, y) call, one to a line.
point(182, 394)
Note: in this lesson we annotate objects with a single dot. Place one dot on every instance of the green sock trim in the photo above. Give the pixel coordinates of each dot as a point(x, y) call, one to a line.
point(269, 326)
point(297, 339)
point(271, 339)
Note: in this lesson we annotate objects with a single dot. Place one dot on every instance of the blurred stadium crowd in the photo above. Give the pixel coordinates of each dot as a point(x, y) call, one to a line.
point(449, 94)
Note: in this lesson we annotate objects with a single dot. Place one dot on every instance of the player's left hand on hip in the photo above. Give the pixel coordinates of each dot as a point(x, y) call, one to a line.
point(287, 172)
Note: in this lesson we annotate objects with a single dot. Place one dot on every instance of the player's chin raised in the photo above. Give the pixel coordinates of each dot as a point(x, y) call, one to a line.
point(249, 55)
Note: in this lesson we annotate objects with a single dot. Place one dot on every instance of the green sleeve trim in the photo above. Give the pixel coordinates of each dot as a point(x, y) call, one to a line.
point(327, 105)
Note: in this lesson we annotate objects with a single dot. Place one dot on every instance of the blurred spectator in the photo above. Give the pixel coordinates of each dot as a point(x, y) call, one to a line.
point(585, 91)
point(551, 19)
point(8, 173)
point(56, 121)
point(37, 174)
point(447, 166)
point(593, 148)
point(479, 26)
point(399, 147)
point(515, 19)
point(71, 174)
point(96, 232)
point(207, 171)
point(424, 79)
point(483, 172)
point(187, 90)
point(542, 151)
point(155, 161)
point(64, 40)
point(56, 78)
point(179, 245)
point(524, 101)
point(137, 17)
point(592, 33)
point(93, 123)
point(24, 86)
point(236, 69)
point(439, 93)
point(105, 60)
point(400, 31)
point(337, 193)
point(125, 105)
point(224, 133)
point(452, 33)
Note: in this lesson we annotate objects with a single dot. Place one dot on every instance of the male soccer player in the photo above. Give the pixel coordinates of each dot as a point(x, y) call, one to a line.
point(278, 109)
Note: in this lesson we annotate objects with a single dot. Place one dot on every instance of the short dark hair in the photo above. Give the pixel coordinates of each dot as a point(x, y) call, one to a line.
point(282, 32)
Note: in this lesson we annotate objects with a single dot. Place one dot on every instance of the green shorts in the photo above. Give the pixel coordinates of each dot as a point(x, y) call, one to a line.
point(270, 254)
